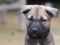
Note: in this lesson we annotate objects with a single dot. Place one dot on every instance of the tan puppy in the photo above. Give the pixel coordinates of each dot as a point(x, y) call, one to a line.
point(38, 24)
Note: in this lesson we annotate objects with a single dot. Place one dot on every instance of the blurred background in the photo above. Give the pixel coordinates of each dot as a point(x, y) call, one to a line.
point(12, 25)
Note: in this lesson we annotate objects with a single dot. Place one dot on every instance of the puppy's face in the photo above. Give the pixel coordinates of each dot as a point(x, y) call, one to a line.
point(38, 17)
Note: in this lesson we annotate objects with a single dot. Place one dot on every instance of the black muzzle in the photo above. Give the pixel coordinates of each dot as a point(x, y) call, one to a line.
point(37, 31)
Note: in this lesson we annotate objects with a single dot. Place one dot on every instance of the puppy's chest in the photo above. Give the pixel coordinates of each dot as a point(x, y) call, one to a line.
point(41, 43)
point(38, 43)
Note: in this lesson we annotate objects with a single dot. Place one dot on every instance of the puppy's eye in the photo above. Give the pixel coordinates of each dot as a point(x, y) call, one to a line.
point(43, 19)
point(30, 18)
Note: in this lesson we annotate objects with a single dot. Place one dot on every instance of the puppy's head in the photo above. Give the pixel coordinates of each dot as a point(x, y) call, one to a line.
point(38, 17)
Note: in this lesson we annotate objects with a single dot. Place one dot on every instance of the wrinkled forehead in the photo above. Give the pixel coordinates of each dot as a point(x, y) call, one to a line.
point(37, 12)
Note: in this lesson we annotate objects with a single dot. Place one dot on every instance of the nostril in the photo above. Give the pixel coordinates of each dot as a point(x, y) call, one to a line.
point(34, 30)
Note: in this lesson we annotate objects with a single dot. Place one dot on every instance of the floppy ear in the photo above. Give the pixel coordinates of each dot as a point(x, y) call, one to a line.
point(26, 11)
point(52, 11)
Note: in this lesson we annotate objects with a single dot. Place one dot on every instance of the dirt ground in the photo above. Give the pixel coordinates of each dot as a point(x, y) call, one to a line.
point(11, 35)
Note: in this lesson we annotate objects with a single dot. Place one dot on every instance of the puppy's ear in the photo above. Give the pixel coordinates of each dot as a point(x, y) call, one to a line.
point(52, 11)
point(26, 11)
point(23, 12)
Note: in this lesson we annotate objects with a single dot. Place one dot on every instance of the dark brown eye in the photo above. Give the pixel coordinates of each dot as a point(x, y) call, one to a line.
point(31, 18)
point(43, 19)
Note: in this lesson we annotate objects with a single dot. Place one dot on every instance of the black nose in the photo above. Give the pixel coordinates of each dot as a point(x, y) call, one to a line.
point(34, 30)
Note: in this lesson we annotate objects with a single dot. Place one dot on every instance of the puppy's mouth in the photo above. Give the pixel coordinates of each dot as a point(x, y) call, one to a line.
point(34, 35)
point(38, 35)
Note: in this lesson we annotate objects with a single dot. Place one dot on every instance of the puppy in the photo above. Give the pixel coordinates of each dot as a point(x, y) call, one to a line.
point(38, 24)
